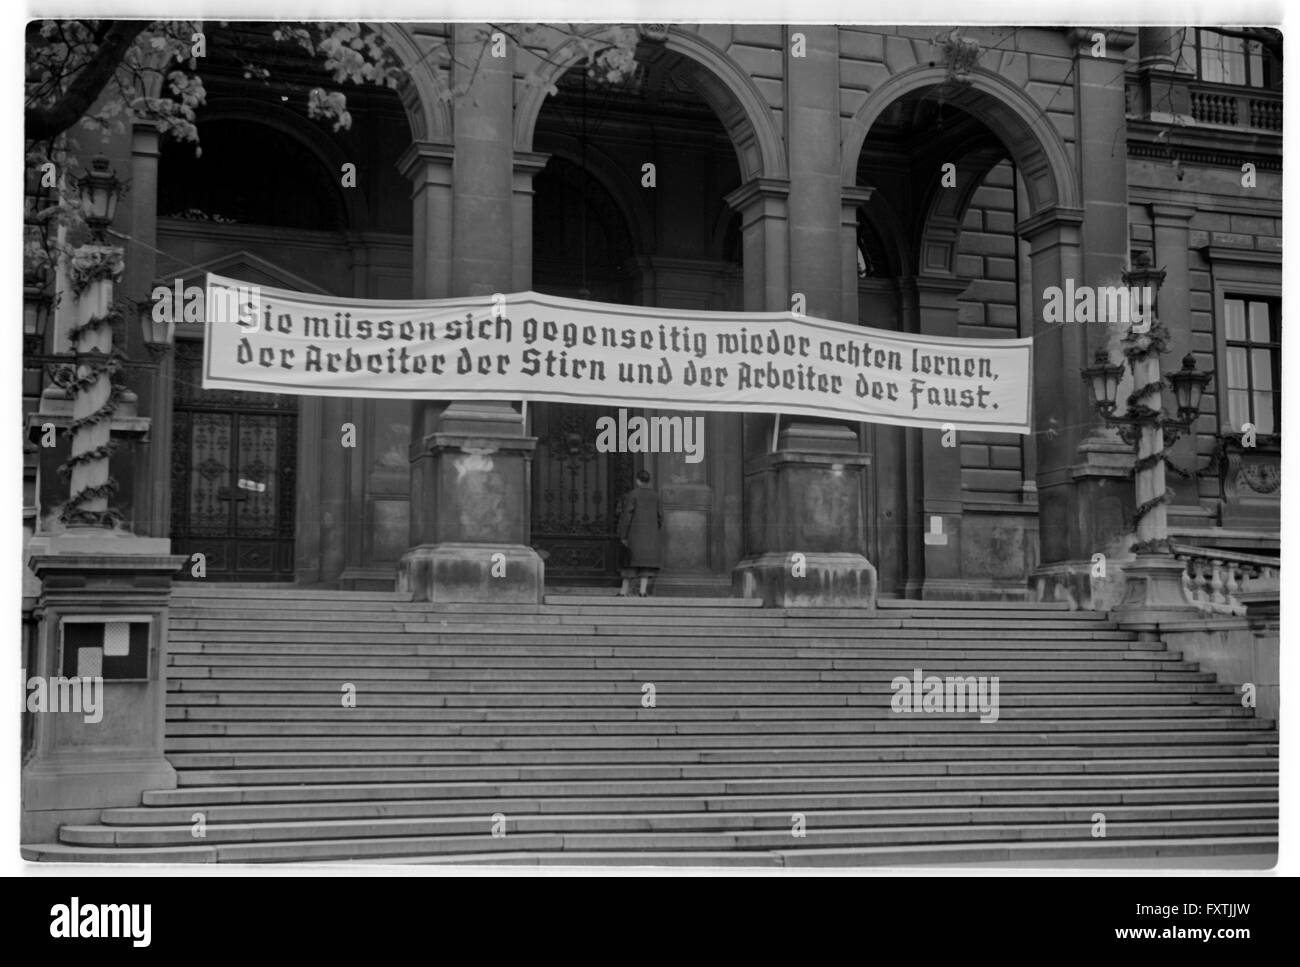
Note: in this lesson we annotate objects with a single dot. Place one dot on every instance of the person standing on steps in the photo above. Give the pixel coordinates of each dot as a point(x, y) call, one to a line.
point(639, 526)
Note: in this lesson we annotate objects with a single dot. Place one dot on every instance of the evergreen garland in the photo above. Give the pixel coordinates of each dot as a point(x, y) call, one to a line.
point(1138, 346)
point(98, 364)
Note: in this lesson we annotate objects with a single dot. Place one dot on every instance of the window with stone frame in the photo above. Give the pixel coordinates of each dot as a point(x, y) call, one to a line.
point(1229, 60)
point(1252, 329)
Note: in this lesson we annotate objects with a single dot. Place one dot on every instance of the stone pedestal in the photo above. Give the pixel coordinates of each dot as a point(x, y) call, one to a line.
point(804, 523)
point(1153, 592)
point(470, 477)
point(79, 762)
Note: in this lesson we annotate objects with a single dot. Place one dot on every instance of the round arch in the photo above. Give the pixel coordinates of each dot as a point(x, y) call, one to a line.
point(1031, 139)
point(428, 114)
point(728, 90)
point(883, 218)
point(613, 180)
point(289, 122)
point(941, 229)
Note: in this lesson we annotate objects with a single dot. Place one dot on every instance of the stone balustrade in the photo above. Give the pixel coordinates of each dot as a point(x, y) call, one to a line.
point(1218, 581)
point(1234, 106)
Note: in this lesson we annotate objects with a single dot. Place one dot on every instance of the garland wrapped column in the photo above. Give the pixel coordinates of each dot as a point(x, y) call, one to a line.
point(93, 387)
point(1146, 407)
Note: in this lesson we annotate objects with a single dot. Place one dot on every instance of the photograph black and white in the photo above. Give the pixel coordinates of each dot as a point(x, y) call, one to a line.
point(734, 445)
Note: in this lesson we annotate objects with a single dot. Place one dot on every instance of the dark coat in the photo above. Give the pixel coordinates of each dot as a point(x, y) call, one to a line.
point(639, 525)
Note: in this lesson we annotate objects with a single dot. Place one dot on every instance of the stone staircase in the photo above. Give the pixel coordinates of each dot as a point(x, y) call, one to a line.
point(766, 724)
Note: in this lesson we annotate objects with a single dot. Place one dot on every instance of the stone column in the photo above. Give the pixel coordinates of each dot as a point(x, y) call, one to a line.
point(428, 166)
point(816, 206)
point(527, 165)
point(1164, 92)
point(804, 514)
point(1084, 492)
point(1083, 462)
point(851, 199)
point(1103, 171)
point(763, 206)
point(471, 460)
point(1170, 223)
point(941, 513)
point(153, 470)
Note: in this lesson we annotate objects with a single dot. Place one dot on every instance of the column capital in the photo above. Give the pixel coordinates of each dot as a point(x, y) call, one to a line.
point(951, 285)
point(853, 197)
point(427, 161)
point(759, 191)
point(530, 162)
point(1055, 218)
point(527, 165)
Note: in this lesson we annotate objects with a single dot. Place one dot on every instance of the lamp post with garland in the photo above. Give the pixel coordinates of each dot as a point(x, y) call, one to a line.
point(1154, 577)
point(96, 596)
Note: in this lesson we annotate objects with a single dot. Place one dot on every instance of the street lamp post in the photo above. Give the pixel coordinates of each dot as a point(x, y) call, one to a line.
point(99, 593)
point(92, 271)
point(1154, 577)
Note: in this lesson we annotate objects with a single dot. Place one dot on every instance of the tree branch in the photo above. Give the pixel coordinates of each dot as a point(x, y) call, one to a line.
point(46, 122)
point(1268, 37)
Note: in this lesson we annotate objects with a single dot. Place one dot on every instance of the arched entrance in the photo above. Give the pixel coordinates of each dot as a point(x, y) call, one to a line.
point(607, 228)
point(974, 209)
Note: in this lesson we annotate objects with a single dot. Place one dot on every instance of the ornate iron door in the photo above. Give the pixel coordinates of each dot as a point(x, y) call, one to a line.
point(575, 489)
point(233, 465)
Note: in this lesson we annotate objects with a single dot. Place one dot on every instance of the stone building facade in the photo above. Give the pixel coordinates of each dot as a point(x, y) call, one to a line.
point(816, 167)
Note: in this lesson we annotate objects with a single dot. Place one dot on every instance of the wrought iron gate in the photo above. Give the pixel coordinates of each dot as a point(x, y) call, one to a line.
point(234, 457)
point(575, 492)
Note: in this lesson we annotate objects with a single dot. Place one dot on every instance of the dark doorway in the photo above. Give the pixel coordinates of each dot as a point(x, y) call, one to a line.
point(234, 458)
point(575, 492)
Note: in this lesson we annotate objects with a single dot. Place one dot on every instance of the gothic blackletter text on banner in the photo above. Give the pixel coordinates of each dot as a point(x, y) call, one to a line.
point(543, 348)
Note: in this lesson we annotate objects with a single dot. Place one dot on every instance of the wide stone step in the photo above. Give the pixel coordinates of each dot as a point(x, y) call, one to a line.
point(722, 635)
point(885, 762)
point(689, 694)
point(811, 671)
point(1026, 854)
point(559, 668)
point(670, 822)
point(342, 727)
point(684, 803)
point(206, 709)
point(862, 748)
point(865, 681)
point(988, 736)
point(933, 781)
point(535, 712)
point(618, 610)
point(276, 620)
point(743, 839)
point(614, 655)
point(707, 719)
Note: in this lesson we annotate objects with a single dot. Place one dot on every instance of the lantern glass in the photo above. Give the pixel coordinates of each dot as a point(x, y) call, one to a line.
point(1103, 380)
point(36, 310)
point(157, 333)
point(99, 190)
point(1189, 387)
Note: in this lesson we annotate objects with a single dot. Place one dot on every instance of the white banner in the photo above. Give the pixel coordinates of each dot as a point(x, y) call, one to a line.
point(543, 348)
